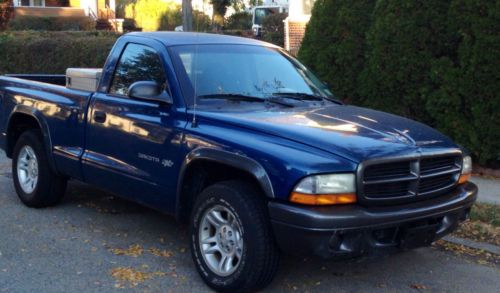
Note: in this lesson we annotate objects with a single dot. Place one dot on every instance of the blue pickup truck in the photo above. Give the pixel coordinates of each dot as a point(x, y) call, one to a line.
point(237, 138)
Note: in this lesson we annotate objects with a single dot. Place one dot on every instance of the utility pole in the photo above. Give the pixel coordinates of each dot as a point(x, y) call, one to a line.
point(187, 16)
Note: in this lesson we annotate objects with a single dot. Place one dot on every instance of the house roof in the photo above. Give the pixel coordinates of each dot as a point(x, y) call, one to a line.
point(191, 38)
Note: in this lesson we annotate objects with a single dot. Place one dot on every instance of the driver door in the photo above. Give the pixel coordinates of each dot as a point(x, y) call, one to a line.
point(130, 143)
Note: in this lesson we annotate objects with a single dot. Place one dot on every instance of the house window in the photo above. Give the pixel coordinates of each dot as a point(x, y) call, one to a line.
point(30, 3)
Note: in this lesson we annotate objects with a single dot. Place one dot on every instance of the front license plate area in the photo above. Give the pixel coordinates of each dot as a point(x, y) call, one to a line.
point(417, 236)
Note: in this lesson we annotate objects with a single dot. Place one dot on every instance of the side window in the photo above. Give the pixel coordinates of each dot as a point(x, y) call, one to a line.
point(137, 63)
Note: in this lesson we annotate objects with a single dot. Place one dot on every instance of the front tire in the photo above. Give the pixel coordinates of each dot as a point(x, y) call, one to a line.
point(231, 239)
point(36, 184)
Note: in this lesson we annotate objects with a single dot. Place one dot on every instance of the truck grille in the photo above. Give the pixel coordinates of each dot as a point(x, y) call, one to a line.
point(407, 179)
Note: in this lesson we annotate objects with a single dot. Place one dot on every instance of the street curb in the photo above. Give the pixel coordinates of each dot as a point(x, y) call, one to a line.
point(473, 244)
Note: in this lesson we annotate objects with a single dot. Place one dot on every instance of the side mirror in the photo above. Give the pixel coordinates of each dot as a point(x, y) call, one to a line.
point(149, 91)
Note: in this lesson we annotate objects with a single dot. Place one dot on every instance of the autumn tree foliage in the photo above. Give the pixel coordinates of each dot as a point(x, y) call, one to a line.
point(6, 13)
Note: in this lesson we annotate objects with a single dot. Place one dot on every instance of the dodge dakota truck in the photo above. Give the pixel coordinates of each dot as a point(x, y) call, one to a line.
point(239, 140)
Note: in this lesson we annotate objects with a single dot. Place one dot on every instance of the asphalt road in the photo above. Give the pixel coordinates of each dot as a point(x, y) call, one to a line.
point(72, 248)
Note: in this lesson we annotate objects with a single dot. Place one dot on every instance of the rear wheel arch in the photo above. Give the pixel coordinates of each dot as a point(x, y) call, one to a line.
point(204, 167)
point(24, 120)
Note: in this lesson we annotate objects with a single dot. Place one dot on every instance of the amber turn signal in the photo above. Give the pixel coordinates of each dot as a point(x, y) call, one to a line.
point(323, 199)
point(463, 178)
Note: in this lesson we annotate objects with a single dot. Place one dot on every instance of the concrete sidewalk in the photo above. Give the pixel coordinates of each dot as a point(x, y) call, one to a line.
point(489, 189)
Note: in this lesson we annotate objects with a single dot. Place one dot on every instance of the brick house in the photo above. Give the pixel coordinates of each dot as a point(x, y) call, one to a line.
point(295, 24)
point(97, 9)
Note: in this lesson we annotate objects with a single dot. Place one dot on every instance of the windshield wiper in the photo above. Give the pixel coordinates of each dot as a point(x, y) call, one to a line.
point(245, 98)
point(305, 97)
point(299, 96)
point(234, 97)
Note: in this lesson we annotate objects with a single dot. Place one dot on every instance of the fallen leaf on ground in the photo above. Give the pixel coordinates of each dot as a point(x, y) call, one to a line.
point(481, 256)
point(132, 277)
point(479, 231)
point(162, 253)
point(418, 286)
point(133, 250)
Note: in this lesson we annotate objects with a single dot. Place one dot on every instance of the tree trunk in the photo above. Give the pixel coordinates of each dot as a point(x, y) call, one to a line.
point(187, 16)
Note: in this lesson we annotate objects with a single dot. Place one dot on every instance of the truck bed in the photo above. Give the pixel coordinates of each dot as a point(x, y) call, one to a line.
point(56, 79)
point(60, 111)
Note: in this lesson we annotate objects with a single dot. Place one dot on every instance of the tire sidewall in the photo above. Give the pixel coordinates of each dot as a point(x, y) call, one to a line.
point(209, 199)
point(27, 139)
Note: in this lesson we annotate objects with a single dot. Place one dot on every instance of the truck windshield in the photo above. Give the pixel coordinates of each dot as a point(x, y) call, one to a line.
point(244, 70)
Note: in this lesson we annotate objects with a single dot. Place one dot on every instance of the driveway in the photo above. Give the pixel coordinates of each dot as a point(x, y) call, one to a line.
point(81, 245)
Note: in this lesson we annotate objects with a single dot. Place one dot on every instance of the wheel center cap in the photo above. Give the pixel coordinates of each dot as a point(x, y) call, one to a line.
point(226, 239)
point(32, 169)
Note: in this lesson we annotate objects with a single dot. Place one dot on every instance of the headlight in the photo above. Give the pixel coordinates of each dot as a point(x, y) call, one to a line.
point(466, 170)
point(325, 190)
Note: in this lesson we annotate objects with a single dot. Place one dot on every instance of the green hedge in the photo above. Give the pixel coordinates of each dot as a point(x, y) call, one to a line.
point(239, 21)
point(38, 23)
point(334, 44)
point(404, 38)
point(466, 105)
point(273, 29)
point(53, 52)
point(433, 61)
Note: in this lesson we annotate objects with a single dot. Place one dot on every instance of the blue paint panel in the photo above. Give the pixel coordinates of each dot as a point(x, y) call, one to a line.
point(138, 141)
point(61, 113)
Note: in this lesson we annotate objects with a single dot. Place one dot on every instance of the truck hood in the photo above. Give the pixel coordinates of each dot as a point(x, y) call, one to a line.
point(351, 132)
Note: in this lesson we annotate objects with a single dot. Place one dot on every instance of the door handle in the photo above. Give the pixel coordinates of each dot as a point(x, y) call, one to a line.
point(99, 117)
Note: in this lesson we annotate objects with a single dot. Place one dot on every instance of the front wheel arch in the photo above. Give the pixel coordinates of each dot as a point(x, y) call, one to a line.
point(203, 167)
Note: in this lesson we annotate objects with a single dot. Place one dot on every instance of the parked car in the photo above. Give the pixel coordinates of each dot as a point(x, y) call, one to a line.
point(238, 139)
point(259, 13)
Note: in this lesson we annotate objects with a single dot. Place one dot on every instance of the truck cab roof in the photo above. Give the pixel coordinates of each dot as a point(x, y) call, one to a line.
point(193, 38)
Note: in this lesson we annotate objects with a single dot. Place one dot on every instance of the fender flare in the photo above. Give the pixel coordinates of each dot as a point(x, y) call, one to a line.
point(230, 159)
point(42, 123)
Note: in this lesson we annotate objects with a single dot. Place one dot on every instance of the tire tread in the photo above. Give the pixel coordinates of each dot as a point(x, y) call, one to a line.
point(51, 187)
point(267, 256)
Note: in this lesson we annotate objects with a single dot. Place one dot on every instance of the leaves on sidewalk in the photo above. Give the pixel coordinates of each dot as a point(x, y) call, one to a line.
point(483, 226)
point(479, 256)
point(479, 231)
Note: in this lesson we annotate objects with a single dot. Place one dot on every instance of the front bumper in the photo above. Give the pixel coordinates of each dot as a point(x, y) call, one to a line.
point(3, 141)
point(353, 230)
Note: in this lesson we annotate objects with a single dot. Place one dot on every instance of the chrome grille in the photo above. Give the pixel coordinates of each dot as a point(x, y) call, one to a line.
point(406, 179)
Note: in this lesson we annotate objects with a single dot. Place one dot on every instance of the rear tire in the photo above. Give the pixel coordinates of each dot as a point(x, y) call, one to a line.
point(230, 219)
point(36, 184)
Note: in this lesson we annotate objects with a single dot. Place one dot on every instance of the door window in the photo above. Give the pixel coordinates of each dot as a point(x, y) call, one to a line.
point(137, 63)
